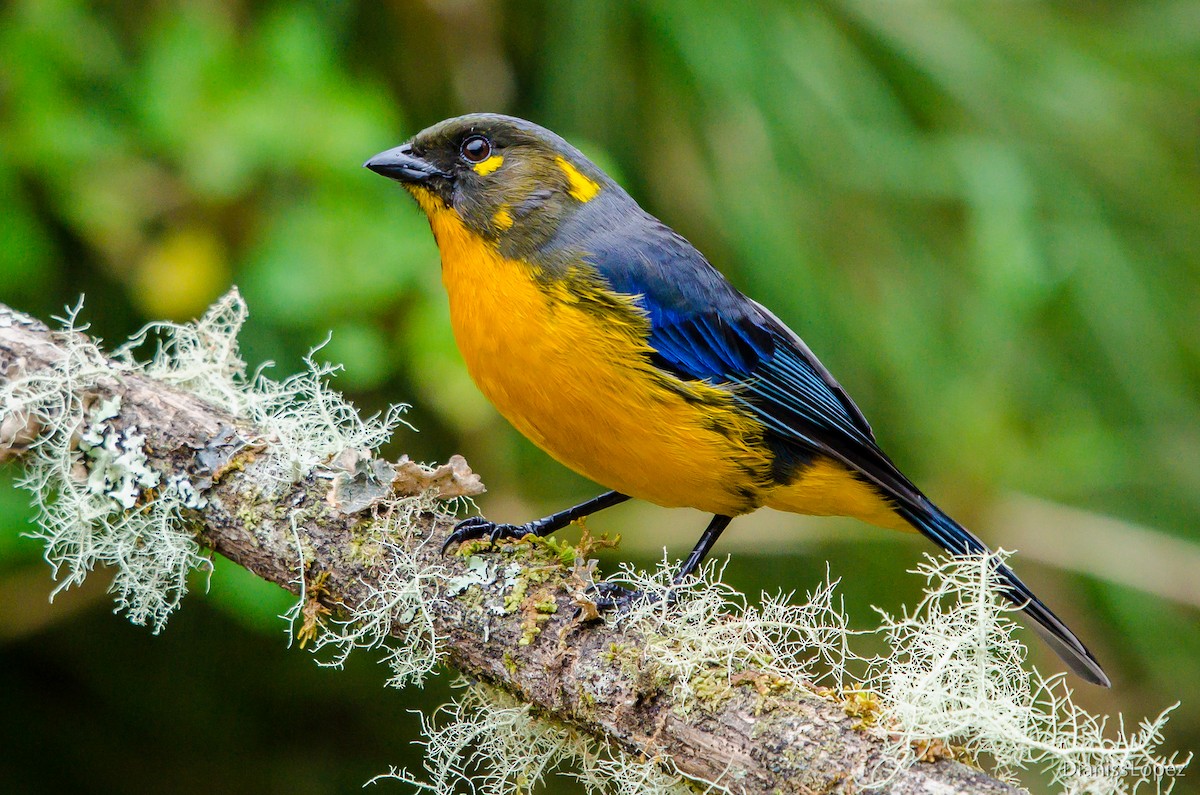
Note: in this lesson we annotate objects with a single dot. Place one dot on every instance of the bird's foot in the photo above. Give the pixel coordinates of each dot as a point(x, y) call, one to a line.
point(609, 596)
point(478, 527)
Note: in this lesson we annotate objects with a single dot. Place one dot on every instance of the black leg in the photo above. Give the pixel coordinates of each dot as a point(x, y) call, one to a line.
point(478, 527)
point(611, 596)
point(703, 546)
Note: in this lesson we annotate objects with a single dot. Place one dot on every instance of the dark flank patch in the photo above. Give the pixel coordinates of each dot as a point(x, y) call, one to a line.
point(788, 459)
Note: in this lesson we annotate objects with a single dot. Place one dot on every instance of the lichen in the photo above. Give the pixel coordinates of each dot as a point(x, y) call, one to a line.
point(479, 572)
point(863, 706)
point(307, 423)
point(486, 742)
point(954, 680)
point(396, 615)
point(516, 595)
point(702, 624)
point(97, 499)
point(101, 501)
point(956, 675)
point(115, 459)
point(531, 625)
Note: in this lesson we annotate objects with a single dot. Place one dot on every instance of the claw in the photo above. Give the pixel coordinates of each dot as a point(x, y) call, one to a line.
point(478, 527)
point(464, 531)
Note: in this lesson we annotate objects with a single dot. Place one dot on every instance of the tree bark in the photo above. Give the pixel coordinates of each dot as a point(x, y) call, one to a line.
point(785, 741)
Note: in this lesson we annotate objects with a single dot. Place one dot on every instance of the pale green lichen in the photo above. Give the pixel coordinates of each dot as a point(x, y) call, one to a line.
point(478, 572)
point(115, 460)
point(98, 498)
point(956, 673)
point(711, 625)
point(488, 743)
point(516, 595)
point(305, 422)
point(397, 613)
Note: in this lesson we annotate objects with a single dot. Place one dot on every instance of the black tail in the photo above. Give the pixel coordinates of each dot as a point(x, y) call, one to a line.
point(957, 540)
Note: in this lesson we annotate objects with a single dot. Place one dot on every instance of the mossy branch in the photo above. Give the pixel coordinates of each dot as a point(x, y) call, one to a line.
point(506, 619)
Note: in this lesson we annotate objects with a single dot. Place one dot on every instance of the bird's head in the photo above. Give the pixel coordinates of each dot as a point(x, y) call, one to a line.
point(506, 180)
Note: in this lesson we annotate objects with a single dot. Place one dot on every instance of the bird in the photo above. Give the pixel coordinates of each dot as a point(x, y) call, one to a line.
point(609, 341)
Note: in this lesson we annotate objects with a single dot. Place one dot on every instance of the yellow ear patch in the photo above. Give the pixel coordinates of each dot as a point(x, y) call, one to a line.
point(488, 166)
point(582, 188)
point(503, 218)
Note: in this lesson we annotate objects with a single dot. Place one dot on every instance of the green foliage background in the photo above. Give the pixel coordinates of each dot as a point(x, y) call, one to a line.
point(983, 215)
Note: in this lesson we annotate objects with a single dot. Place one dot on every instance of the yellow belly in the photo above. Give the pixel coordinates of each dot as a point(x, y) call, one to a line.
point(827, 488)
point(577, 382)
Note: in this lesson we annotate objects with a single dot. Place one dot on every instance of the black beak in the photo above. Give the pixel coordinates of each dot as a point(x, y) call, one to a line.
point(401, 165)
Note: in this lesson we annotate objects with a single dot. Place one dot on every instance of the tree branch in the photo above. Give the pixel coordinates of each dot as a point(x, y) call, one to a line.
point(750, 740)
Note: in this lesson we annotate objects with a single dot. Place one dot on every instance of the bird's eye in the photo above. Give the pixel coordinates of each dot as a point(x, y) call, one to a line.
point(476, 149)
